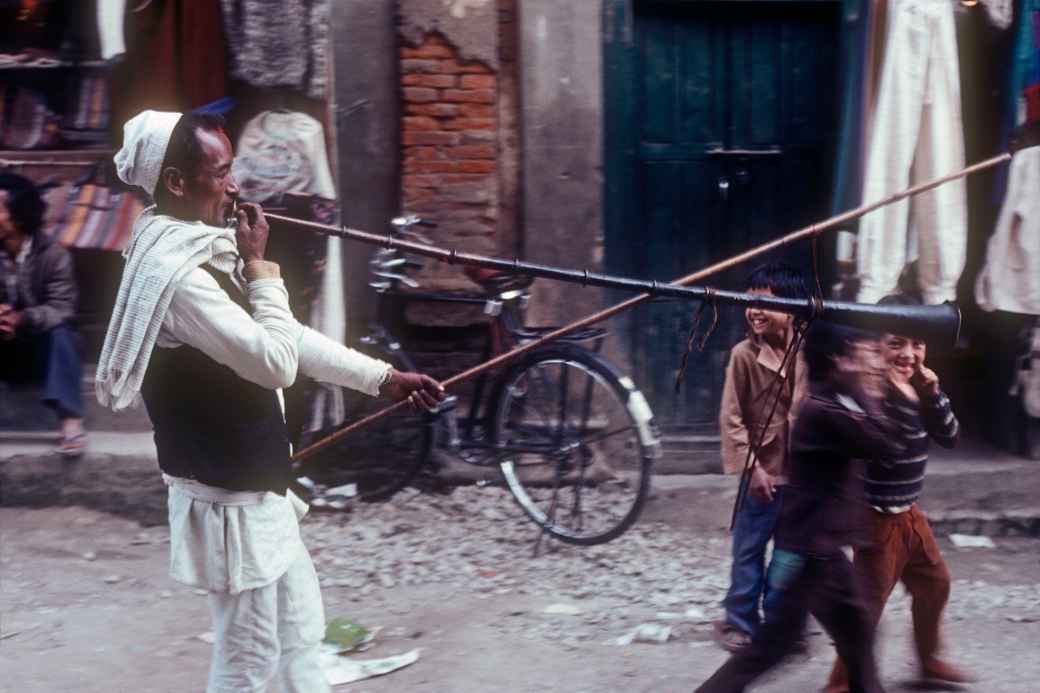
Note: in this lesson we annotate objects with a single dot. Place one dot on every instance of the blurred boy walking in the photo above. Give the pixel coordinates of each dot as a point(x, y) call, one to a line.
point(900, 545)
point(840, 419)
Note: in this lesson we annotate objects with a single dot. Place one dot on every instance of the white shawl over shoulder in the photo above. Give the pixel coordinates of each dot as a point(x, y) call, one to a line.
point(162, 251)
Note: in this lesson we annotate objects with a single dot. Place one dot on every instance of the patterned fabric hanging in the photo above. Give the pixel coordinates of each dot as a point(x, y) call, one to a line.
point(95, 216)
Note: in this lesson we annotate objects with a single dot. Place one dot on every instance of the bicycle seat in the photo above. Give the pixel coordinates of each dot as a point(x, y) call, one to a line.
point(497, 281)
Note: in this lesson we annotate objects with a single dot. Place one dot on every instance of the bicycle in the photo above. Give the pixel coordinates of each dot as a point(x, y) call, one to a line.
point(572, 437)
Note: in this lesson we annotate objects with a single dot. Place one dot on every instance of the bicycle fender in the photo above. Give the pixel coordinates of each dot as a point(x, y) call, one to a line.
point(640, 410)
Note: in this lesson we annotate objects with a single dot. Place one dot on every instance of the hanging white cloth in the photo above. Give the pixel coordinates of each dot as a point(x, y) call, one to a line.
point(917, 135)
point(1010, 279)
point(110, 27)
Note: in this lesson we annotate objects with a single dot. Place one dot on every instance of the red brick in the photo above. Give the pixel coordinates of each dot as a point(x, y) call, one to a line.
point(429, 49)
point(416, 180)
point(420, 123)
point(423, 153)
point(477, 82)
point(438, 110)
point(473, 151)
point(419, 194)
point(448, 138)
point(451, 67)
point(431, 166)
point(476, 110)
point(437, 81)
point(469, 124)
point(462, 178)
point(467, 95)
point(477, 166)
point(419, 94)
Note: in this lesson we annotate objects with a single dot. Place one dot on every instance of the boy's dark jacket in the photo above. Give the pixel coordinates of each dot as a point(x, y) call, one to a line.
point(46, 288)
point(822, 507)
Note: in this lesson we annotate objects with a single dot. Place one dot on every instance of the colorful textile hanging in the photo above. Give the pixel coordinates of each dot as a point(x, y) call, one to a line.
point(98, 217)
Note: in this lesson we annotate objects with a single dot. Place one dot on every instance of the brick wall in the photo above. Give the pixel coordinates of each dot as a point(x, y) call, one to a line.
point(449, 149)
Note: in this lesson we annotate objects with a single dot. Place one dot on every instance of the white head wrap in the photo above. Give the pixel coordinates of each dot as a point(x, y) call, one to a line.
point(145, 137)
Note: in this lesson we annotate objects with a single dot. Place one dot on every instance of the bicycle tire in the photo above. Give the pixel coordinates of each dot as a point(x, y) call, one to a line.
point(372, 464)
point(610, 467)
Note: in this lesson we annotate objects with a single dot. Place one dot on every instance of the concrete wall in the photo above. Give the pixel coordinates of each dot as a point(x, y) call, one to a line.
point(562, 149)
point(367, 116)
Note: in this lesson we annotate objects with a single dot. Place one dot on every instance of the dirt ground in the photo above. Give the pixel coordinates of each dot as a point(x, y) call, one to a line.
point(87, 606)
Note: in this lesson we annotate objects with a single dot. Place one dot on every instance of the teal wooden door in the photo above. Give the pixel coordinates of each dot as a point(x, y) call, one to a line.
point(720, 125)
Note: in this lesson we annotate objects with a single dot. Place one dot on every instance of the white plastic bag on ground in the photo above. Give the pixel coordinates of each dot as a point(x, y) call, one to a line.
point(339, 670)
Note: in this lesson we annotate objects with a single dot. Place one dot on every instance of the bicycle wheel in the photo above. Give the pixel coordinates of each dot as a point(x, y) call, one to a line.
point(371, 464)
point(576, 441)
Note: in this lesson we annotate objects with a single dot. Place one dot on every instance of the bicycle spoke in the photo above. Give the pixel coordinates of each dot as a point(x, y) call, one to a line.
point(564, 396)
point(576, 462)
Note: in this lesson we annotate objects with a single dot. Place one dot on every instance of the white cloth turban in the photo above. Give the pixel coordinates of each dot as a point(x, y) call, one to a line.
point(145, 137)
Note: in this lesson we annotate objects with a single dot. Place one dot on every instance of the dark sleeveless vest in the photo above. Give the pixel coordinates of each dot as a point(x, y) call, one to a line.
point(211, 425)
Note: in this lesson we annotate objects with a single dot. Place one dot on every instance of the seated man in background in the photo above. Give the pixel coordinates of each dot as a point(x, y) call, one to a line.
point(37, 305)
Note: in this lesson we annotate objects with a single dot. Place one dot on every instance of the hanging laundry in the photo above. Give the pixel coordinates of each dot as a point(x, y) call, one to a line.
point(283, 152)
point(280, 152)
point(110, 14)
point(283, 44)
point(916, 135)
point(1010, 279)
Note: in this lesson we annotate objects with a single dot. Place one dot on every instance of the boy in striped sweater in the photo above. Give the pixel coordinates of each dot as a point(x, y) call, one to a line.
point(900, 544)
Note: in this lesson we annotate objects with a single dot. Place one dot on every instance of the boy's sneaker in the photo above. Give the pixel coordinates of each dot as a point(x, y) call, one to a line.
point(729, 637)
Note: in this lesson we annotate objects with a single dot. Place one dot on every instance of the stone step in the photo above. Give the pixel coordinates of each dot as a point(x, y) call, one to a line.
point(979, 491)
point(21, 410)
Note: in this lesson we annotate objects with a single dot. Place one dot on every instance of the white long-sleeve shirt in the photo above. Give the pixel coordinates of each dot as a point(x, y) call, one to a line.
point(228, 541)
point(267, 348)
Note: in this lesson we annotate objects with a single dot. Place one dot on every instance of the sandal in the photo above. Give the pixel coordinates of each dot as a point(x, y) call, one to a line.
point(72, 446)
point(729, 637)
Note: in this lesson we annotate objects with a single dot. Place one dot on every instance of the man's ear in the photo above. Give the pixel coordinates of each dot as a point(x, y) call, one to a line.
point(173, 181)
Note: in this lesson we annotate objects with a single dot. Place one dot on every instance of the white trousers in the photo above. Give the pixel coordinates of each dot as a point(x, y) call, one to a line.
point(916, 135)
point(270, 635)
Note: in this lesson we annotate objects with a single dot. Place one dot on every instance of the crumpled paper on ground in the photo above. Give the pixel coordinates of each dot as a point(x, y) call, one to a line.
point(339, 670)
point(645, 632)
point(972, 541)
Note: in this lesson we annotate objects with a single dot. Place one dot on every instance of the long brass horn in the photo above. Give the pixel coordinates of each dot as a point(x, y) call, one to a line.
point(938, 325)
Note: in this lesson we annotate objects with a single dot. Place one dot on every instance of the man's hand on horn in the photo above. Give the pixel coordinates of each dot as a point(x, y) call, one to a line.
point(251, 232)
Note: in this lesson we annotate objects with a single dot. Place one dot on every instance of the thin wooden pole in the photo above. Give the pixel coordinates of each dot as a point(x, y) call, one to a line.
point(721, 266)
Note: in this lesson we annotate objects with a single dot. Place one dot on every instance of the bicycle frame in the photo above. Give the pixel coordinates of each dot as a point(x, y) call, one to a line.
point(505, 329)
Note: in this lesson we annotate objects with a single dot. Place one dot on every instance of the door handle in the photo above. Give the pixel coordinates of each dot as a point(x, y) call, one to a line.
point(724, 187)
point(722, 151)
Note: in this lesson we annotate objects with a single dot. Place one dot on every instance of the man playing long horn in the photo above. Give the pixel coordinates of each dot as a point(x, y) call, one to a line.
point(202, 330)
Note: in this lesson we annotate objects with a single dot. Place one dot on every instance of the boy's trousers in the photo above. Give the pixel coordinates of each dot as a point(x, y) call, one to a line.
point(823, 586)
point(748, 588)
point(902, 548)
